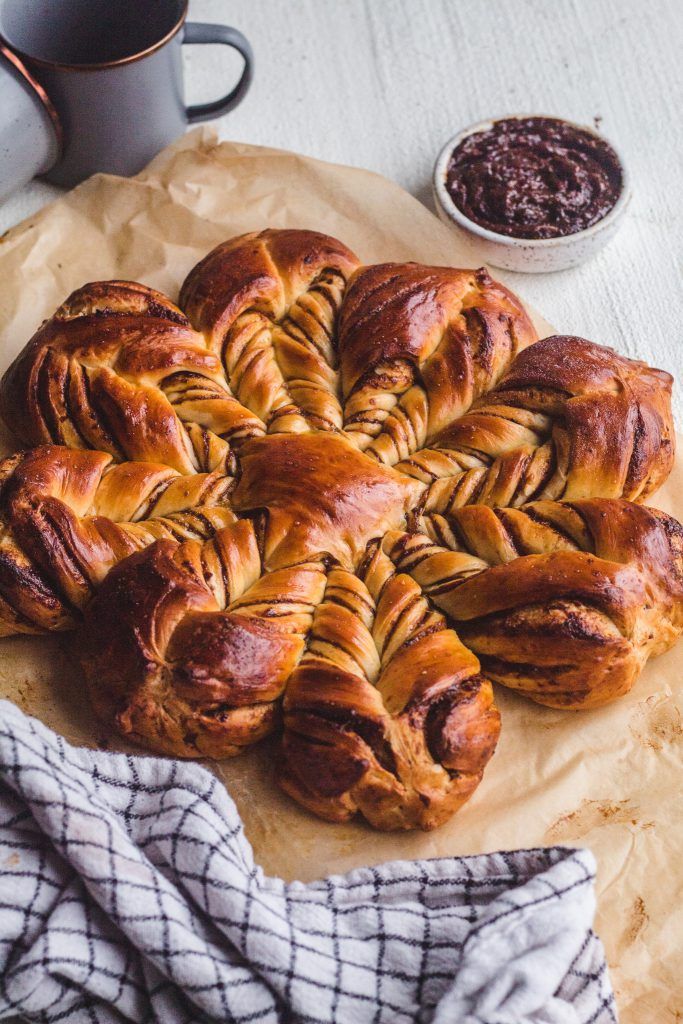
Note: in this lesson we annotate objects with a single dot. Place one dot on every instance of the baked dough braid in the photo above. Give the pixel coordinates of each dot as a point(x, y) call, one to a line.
point(564, 601)
point(267, 304)
point(569, 419)
point(320, 494)
point(387, 713)
point(119, 368)
point(188, 647)
point(234, 504)
point(68, 516)
point(418, 345)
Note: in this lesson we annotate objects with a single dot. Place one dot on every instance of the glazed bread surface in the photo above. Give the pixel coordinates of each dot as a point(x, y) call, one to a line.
point(338, 502)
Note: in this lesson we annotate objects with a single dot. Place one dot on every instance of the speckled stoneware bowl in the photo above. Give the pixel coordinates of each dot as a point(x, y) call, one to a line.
point(528, 255)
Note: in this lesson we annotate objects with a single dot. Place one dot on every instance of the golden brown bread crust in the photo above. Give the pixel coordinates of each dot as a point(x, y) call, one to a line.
point(172, 668)
point(292, 506)
point(68, 516)
point(267, 270)
point(569, 419)
point(386, 711)
point(403, 739)
point(267, 305)
point(118, 368)
point(321, 494)
point(563, 601)
point(417, 346)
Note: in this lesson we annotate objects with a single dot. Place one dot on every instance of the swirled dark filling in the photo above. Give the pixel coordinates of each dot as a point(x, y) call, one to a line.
point(534, 177)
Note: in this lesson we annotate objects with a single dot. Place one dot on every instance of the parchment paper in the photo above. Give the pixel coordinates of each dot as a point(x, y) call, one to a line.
point(609, 779)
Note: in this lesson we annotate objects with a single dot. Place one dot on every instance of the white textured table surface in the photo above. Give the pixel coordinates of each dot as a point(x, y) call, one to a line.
point(383, 83)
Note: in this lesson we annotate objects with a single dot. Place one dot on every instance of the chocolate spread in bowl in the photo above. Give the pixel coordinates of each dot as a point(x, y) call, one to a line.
point(534, 177)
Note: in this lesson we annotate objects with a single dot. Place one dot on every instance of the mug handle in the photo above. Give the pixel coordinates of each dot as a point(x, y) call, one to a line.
point(201, 32)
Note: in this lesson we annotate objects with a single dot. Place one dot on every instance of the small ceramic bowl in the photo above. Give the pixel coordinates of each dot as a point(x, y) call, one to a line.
point(529, 255)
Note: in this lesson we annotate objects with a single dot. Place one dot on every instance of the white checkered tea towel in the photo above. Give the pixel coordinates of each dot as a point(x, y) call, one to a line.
point(128, 892)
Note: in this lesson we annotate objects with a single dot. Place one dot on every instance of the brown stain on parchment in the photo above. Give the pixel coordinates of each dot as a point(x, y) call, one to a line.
point(24, 693)
point(636, 921)
point(591, 814)
point(656, 722)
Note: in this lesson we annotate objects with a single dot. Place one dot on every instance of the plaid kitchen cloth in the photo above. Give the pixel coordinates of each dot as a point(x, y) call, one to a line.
point(128, 892)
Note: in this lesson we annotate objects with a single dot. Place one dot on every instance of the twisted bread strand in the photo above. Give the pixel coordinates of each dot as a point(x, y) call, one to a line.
point(569, 419)
point(417, 346)
point(387, 713)
point(320, 494)
point(563, 601)
point(188, 648)
point(119, 369)
point(268, 305)
point(68, 516)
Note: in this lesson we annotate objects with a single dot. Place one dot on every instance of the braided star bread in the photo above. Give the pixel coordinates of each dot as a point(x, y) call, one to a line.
point(337, 500)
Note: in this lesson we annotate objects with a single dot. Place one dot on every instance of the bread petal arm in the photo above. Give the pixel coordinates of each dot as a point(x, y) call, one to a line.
point(402, 737)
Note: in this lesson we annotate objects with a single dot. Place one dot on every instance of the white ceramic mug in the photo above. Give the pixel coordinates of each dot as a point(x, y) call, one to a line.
point(30, 130)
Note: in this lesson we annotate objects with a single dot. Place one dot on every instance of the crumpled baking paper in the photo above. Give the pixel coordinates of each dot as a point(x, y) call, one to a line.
point(609, 779)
